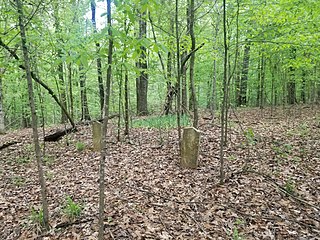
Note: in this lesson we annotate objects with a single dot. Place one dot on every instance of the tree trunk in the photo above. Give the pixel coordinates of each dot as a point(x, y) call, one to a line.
point(62, 90)
point(192, 60)
point(105, 128)
point(178, 73)
point(33, 116)
point(261, 79)
point(83, 92)
point(99, 64)
point(242, 99)
point(170, 87)
point(292, 82)
point(184, 89)
point(225, 97)
point(142, 80)
point(126, 103)
point(2, 126)
point(303, 86)
point(70, 90)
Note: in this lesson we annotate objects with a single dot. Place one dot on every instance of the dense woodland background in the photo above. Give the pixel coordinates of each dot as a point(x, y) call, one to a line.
point(244, 73)
point(273, 49)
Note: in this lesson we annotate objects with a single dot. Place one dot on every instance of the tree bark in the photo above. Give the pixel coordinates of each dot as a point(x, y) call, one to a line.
point(142, 80)
point(99, 64)
point(225, 97)
point(178, 73)
point(60, 69)
point(2, 126)
point(292, 82)
point(242, 96)
point(105, 128)
point(33, 116)
point(192, 60)
point(83, 92)
point(170, 87)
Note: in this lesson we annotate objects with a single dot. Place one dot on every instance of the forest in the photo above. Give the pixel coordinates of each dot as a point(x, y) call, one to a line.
point(159, 119)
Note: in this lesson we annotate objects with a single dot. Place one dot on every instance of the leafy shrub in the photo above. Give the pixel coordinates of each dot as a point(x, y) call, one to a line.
point(36, 218)
point(80, 146)
point(71, 209)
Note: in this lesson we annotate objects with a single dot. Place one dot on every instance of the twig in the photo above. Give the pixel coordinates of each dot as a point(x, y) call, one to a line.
point(197, 223)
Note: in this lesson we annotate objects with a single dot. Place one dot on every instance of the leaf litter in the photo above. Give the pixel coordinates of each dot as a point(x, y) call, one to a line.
point(272, 190)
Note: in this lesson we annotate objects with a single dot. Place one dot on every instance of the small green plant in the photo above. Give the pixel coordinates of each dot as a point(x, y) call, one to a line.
point(18, 181)
point(48, 160)
point(283, 150)
point(23, 160)
point(232, 158)
point(80, 146)
point(235, 233)
point(289, 186)
point(36, 218)
point(250, 136)
point(49, 175)
point(29, 147)
point(71, 209)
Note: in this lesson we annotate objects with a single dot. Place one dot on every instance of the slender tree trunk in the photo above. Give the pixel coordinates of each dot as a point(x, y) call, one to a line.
point(62, 91)
point(272, 70)
point(303, 87)
point(178, 73)
point(261, 79)
point(105, 128)
point(225, 97)
point(126, 90)
point(83, 92)
point(292, 82)
point(99, 64)
point(126, 103)
point(2, 126)
point(184, 89)
point(170, 87)
point(33, 116)
point(242, 100)
point(142, 80)
point(192, 60)
point(70, 90)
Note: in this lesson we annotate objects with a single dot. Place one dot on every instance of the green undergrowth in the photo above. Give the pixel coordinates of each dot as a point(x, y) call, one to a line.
point(160, 122)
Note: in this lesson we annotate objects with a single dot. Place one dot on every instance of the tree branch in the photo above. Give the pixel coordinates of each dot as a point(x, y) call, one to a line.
point(184, 61)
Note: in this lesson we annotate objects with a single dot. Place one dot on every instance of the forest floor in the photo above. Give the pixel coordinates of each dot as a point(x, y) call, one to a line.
point(272, 188)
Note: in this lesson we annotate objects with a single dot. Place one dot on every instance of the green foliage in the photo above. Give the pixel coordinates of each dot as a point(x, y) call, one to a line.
point(289, 187)
point(71, 209)
point(18, 181)
point(235, 234)
point(282, 149)
point(48, 160)
point(250, 136)
point(36, 218)
point(49, 175)
point(301, 130)
point(23, 160)
point(162, 122)
point(80, 146)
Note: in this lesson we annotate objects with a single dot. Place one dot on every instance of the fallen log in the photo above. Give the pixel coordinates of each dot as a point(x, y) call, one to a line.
point(8, 144)
point(59, 134)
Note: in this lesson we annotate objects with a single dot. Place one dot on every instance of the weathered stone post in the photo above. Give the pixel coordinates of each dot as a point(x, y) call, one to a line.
point(190, 147)
point(97, 135)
